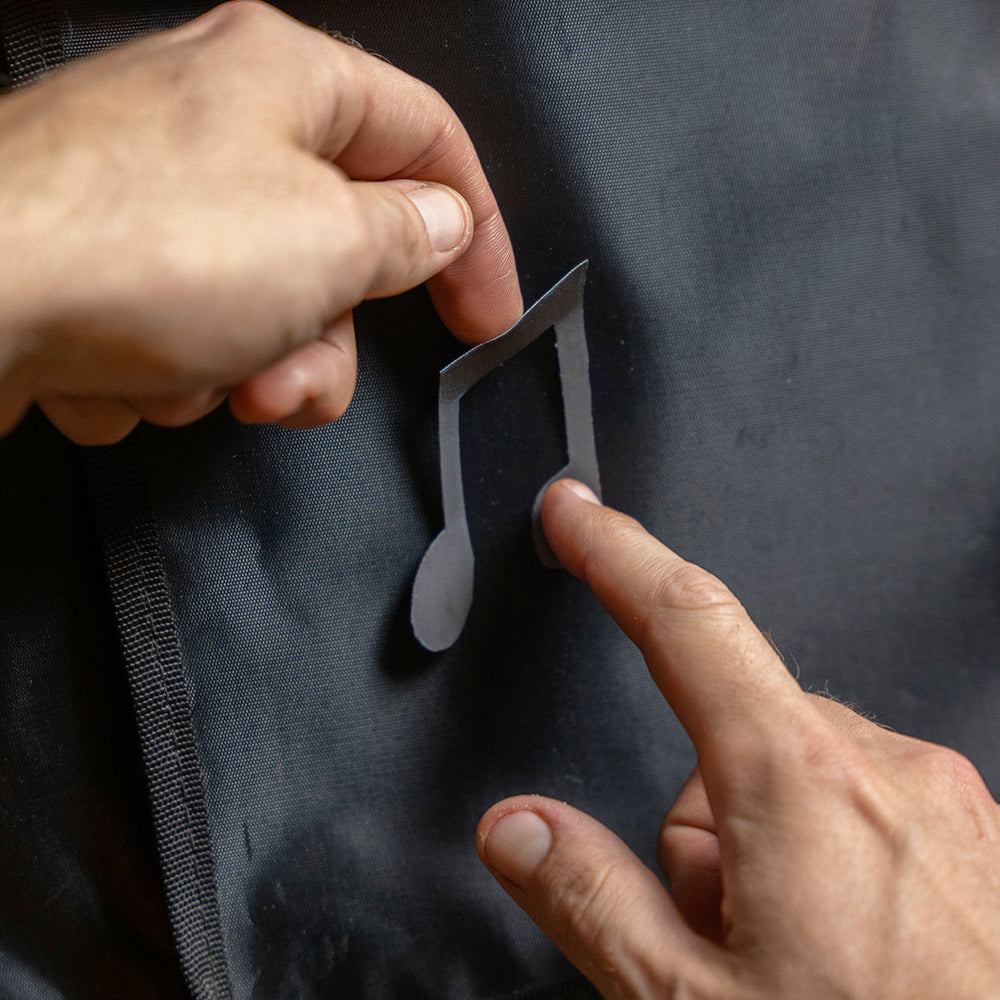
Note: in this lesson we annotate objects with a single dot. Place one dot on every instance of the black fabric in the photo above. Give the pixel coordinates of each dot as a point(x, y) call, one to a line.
point(6, 79)
point(31, 33)
point(790, 213)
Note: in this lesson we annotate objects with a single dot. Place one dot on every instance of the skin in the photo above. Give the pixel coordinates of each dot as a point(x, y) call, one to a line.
point(811, 854)
point(197, 213)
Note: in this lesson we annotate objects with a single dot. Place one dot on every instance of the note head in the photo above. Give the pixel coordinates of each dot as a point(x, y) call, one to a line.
point(442, 590)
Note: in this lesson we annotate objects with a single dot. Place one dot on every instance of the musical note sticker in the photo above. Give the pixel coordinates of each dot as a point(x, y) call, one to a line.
point(442, 590)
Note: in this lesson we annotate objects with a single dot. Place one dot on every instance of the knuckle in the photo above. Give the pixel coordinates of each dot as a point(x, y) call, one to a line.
point(668, 847)
point(447, 140)
point(358, 253)
point(238, 30)
point(839, 771)
point(588, 903)
point(947, 776)
point(240, 15)
point(830, 758)
point(687, 587)
point(689, 857)
point(330, 408)
point(223, 44)
point(450, 138)
point(949, 768)
point(684, 588)
point(437, 109)
point(602, 915)
point(393, 247)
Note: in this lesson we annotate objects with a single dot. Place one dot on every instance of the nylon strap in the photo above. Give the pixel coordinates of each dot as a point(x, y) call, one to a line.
point(150, 645)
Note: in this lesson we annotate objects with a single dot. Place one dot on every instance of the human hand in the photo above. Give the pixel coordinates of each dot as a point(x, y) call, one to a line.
point(196, 214)
point(812, 854)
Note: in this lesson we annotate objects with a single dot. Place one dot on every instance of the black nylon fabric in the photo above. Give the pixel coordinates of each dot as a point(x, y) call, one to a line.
point(32, 37)
point(791, 214)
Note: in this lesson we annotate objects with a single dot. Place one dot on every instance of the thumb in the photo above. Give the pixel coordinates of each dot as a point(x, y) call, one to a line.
point(607, 912)
point(415, 229)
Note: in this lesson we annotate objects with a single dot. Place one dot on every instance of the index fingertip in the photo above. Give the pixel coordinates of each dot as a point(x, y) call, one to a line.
point(565, 502)
point(561, 504)
point(580, 490)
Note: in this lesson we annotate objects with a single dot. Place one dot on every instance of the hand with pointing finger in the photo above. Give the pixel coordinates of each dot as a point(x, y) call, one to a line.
point(197, 213)
point(811, 855)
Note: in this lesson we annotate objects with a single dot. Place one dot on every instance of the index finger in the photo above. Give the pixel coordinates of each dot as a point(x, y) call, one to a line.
point(376, 123)
point(728, 687)
point(411, 132)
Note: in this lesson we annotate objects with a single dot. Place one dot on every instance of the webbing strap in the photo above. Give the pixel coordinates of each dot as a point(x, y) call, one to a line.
point(148, 632)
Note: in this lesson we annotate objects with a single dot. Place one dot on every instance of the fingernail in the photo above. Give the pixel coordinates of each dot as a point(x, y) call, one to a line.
point(583, 491)
point(444, 217)
point(517, 845)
